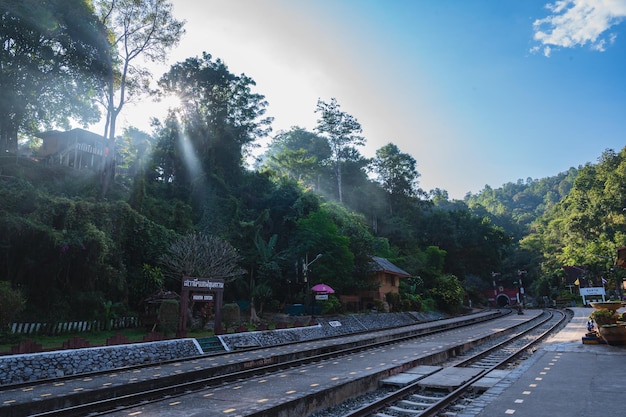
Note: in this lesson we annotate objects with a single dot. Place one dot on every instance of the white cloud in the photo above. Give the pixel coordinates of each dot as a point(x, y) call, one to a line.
point(578, 23)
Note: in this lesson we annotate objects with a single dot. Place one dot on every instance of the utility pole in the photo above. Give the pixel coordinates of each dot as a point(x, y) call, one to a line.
point(305, 274)
point(520, 286)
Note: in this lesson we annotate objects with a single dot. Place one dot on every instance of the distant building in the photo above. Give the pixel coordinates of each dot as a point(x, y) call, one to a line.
point(385, 276)
point(502, 295)
point(77, 148)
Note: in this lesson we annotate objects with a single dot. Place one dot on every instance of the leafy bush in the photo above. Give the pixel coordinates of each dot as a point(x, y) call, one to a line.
point(394, 301)
point(448, 293)
point(169, 313)
point(231, 314)
point(11, 302)
point(602, 317)
point(428, 304)
point(332, 305)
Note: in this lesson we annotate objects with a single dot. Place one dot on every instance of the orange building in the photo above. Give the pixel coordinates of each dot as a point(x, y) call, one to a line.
point(385, 276)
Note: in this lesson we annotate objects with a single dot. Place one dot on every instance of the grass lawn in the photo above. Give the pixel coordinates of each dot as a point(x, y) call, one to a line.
point(96, 338)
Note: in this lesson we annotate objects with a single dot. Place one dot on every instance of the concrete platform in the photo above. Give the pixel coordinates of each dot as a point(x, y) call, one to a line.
point(410, 376)
point(491, 379)
point(450, 378)
point(564, 378)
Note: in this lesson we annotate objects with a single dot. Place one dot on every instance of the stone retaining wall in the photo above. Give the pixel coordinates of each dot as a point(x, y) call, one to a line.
point(35, 366)
point(326, 327)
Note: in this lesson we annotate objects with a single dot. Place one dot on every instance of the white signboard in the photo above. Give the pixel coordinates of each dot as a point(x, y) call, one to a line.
point(592, 291)
point(203, 283)
point(321, 297)
point(200, 297)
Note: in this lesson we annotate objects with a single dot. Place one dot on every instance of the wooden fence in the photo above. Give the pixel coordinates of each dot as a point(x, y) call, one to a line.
point(73, 326)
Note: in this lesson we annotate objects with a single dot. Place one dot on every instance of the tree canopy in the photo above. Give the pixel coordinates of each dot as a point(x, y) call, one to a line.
point(186, 202)
point(52, 62)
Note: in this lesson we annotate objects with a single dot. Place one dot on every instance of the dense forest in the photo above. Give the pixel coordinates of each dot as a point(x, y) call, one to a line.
point(183, 200)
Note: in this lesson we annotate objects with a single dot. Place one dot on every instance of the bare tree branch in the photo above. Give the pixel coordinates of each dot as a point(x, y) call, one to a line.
point(198, 255)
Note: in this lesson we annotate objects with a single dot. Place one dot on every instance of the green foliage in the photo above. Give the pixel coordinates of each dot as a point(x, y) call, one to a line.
point(262, 294)
point(397, 174)
point(330, 306)
point(429, 304)
point(604, 316)
point(229, 119)
point(587, 226)
point(168, 316)
point(393, 299)
point(231, 314)
point(343, 133)
point(317, 233)
point(69, 251)
point(145, 283)
point(299, 155)
point(62, 47)
point(11, 302)
point(515, 206)
point(110, 311)
point(448, 293)
point(70, 254)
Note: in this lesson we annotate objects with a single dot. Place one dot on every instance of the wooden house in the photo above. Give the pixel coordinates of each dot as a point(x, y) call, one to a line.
point(76, 148)
point(385, 277)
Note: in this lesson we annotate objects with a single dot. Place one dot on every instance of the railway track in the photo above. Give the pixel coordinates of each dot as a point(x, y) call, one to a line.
point(122, 400)
point(426, 399)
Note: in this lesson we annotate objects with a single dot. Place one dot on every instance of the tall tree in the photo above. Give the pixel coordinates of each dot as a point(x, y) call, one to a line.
point(397, 174)
point(342, 131)
point(221, 115)
point(587, 226)
point(52, 61)
point(299, 155)
point(138, 29)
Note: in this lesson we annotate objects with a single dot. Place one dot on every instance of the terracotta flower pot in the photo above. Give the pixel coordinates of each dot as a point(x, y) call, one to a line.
point(613, 334)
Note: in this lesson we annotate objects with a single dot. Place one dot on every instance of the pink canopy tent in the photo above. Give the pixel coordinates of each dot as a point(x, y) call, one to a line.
point(323, 289)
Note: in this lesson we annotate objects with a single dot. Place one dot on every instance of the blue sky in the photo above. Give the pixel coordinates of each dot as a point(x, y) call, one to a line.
point(479, 92)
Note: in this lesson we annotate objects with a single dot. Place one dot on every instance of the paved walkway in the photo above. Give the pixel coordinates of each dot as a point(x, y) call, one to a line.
point(564, 378)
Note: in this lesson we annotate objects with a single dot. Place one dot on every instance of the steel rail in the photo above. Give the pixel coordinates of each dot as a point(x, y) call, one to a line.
point(423, 332)
point(101, 402)
point(432, 410)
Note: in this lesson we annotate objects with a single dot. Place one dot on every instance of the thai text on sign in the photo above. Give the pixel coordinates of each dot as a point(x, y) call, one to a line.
point(202, 283)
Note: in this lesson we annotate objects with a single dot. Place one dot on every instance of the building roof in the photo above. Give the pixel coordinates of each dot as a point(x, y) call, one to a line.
point(383, 265)
point(84, 135)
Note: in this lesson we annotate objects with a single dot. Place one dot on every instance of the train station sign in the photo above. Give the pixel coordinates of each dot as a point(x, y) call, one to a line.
point(196, 289)
point(592, 293)
point(206, 284)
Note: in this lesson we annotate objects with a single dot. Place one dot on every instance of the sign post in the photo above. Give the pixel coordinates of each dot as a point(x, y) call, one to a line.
point(200, 286)
point(591, 291)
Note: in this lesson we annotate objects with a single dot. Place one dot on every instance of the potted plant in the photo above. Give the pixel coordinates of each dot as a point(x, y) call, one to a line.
point(603, 317)
point(608, 330)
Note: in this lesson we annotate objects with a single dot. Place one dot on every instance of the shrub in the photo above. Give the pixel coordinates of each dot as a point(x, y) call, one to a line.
point(448, 293)
point(602, 317)
point(11, 302)
point(394, 301)
point(332, 305)
point(379, 305)
point(428, 304)
point(231, 314)
point(168, 316)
